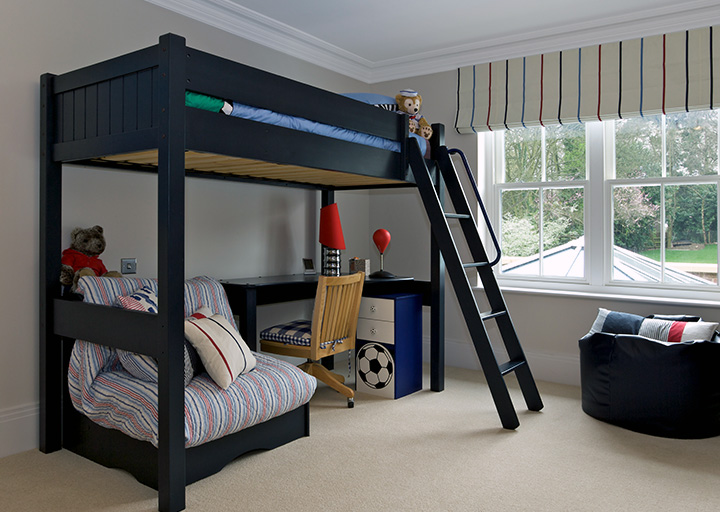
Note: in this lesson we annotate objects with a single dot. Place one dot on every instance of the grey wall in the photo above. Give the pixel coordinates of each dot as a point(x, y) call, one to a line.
point(233, 230)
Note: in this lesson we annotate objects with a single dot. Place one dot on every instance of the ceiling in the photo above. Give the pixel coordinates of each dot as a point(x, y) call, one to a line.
point(378, 40)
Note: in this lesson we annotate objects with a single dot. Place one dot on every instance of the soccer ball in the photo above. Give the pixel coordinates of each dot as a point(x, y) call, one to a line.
point(375, 365)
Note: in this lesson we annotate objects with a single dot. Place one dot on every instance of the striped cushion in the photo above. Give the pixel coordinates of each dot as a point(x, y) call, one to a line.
point(146, 367)
point(297, 332)
point(144, 299)
point(221, 348)
point(676, 332)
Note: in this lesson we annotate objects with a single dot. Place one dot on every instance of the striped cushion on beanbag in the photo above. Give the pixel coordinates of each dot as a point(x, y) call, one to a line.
point(659, 329)
point(676, 332)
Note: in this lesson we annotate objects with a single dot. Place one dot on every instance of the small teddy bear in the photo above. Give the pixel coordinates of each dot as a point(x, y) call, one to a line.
point(409, 102)
point(81, 259)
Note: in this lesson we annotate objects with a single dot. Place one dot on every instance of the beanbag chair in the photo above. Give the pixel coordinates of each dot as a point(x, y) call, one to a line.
point(662, 388)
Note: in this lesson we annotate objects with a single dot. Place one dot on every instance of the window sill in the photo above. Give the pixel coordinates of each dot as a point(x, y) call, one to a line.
point(614, 295)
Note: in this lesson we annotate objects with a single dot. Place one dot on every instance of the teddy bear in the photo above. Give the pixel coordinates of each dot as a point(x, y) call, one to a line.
point(409, 102)
point(81, 258)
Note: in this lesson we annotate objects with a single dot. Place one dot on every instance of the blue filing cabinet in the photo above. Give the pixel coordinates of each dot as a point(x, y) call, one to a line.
point(388, 357)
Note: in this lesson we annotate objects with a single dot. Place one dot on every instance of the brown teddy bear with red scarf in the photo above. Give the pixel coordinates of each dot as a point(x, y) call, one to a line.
point(81, 259)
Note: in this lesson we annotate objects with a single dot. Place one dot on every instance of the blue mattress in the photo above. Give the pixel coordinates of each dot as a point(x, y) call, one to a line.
point(261, 115)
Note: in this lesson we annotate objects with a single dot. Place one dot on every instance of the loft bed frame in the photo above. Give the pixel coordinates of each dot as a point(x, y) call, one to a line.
point(129, 113)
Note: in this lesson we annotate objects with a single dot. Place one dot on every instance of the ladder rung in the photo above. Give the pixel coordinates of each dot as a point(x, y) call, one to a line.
point(510, 366)
point(457, 216)
point(476, 264)
point(487, 315)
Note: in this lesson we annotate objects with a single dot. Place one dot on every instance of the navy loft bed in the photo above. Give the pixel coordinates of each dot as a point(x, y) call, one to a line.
point(130, 113)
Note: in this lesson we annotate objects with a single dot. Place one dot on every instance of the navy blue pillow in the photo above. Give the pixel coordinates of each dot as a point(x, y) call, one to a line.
point(622, 323)
point(615, 322)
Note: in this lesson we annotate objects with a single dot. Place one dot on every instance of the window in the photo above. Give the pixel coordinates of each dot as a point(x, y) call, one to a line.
point(542, 188)
point(664, 199)
point(628, 203)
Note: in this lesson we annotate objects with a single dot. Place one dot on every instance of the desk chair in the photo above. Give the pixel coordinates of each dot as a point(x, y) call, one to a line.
point(332, 330)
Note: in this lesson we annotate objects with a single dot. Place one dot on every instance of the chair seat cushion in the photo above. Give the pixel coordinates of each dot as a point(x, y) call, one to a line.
point(297, 332)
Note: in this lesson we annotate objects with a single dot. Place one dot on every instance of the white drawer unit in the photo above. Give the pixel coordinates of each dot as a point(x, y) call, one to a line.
point(388, 359)
point(376, 330)
point(377, 308)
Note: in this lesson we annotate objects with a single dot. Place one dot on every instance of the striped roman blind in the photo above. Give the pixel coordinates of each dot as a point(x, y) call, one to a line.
point(651, 75)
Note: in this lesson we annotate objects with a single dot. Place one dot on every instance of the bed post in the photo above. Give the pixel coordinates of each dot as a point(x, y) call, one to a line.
point(51, 370)
point(437, 282)
point(171, 272)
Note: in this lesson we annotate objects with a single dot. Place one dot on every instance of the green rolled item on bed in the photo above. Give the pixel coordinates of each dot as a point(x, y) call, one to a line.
point(203, 101)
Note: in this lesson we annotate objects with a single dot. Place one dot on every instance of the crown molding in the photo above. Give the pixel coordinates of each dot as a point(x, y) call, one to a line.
point(248, 24)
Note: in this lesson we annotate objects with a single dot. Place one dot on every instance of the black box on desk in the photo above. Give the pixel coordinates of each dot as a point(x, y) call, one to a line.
point(388, 360)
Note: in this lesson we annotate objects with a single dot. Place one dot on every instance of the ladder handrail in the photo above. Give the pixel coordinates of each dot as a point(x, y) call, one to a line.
point(498, 251)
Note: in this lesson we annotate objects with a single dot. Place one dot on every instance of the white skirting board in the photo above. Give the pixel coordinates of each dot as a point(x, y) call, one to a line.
point(559, 368)
point(19, 429)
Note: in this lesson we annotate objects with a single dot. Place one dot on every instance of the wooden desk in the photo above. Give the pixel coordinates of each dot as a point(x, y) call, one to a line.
point(246, 294)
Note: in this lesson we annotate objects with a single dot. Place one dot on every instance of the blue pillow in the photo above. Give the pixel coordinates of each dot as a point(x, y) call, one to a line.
point(614, 322)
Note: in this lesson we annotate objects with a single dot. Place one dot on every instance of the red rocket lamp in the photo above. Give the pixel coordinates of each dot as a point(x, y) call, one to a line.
point(331, 238)
point(381, 237)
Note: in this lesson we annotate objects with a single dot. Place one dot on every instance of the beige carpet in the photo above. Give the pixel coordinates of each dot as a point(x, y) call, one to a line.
point(425, 452)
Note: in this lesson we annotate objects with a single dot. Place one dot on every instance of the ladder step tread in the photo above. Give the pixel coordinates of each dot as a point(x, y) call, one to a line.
point(457, 216)
point(487, 315)
point(476, 264)
point(511, 366)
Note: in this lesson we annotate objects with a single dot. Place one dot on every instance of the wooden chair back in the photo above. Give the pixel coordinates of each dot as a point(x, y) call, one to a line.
point(335, 316)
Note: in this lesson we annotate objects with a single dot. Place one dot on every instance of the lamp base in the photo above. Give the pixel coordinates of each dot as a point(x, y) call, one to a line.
point(382, 274)
point(330, 262)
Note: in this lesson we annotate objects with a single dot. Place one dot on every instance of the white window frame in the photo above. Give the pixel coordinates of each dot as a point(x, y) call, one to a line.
point(600, 160)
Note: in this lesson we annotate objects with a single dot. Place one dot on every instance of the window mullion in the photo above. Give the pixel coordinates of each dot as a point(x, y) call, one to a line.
point(598, 231)
point(541, 198)
point(663, 231)
point(541, 249)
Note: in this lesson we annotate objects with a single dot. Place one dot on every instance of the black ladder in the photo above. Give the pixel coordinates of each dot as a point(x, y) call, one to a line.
point(474, 318)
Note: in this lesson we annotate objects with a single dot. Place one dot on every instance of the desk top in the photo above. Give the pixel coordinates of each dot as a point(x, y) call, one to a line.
point(295, 279)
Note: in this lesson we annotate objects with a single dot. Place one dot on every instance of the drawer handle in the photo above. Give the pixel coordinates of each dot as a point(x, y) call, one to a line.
point(373, 331)
point(373, 309)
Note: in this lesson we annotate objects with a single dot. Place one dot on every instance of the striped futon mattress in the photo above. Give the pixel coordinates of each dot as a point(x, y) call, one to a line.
point(102, 390)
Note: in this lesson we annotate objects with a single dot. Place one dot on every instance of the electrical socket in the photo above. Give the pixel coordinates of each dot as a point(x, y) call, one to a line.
point(128, 265)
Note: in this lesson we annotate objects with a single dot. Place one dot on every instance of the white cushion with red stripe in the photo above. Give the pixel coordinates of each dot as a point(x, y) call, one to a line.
point(676, 332)
point(221, 348)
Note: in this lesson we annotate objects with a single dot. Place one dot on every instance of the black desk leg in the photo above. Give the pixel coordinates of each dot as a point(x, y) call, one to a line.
point(437, 318)
point(247, 312)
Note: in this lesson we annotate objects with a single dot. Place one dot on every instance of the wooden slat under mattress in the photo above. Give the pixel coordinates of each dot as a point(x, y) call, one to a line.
point(246, 168)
